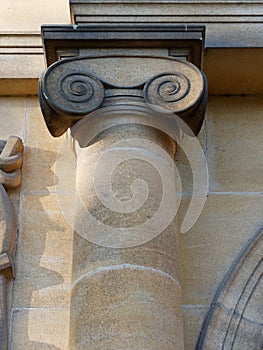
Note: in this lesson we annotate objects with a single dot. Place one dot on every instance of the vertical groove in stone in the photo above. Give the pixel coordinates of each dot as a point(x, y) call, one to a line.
point(126, 298)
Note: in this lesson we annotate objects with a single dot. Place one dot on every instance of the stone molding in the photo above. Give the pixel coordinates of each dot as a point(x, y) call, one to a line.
point(66, 40)
point(229, 23)
point(234, 320)
point(21, 63)
point(20, 43)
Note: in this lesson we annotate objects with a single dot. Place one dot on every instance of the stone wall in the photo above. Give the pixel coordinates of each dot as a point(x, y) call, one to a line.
point(231, 138)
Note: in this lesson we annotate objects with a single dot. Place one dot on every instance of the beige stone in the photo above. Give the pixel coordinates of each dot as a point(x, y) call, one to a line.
point(234, 135)
point(10, 176)
point(193, 316)
point(18, 87)
point(234, 71)
point(29, 16)
point(210, 247)
point(11, 159)
point(43, 273)
point(183, 165)
point(12, 116)
point(125, 296)
point(234, 320)
point(35, 329)
point(127, 308)
point(242, 67)
point(229, 26)
point(31, 66)
point(40, 152)
point(234, 144)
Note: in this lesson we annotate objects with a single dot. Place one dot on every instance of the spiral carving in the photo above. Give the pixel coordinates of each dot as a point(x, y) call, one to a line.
point(72, 91)
point(172, 91)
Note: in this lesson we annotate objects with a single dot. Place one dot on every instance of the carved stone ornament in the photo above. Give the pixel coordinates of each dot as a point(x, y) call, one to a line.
point(10, 177)
point(235, 319)
point(72, 88)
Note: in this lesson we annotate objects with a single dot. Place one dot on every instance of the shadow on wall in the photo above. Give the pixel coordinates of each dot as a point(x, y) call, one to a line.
point(33, 296)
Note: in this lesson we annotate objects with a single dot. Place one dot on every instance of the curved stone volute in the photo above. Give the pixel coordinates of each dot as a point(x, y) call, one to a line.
point(72, 88)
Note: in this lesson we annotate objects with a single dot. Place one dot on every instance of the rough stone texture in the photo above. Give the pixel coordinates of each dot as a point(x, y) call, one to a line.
point(193, 316)
point(71, 89)
point(229, 23)
point(11, 162)
point(20, 39)
point(43, 261)
point(209, 248)
point(233, 143)
point(235, 318)
point(39, 311)
point(206, 252)
point(40, 328)
point(40, 153)
point(10, 177)
point(127, 297)
point(12, 116)
point(123, 296)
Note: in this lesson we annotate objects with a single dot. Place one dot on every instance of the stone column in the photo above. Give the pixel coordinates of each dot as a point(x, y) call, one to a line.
point(126, 290)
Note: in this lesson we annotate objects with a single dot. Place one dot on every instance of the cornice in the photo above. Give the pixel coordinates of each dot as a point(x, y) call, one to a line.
point(64, 41)
point(20, 43)
point(231, 23)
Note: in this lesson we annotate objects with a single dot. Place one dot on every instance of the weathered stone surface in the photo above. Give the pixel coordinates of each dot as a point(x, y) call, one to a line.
point(40, 328)
point(235, 318)
point(234, 144)
point(44, 257)
point(69, 92)
point(129, 297)
point(193, 316)
point(126, 308)
point(11, 163)
point(126, 290)
point(210, 247)
point(40, 153)
point(229, 23)
point(7, 234)
point(12, 116)
point(7, 242)
point(10, 177)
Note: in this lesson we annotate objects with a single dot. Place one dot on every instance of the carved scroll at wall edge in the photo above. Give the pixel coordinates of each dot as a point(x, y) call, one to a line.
point(235, 318)
point(10, 177)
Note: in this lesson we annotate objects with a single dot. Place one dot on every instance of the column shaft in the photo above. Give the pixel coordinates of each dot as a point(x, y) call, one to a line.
point(126, 298)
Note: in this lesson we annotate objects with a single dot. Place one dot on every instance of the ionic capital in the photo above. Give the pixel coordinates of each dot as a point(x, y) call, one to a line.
point(93, 66)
